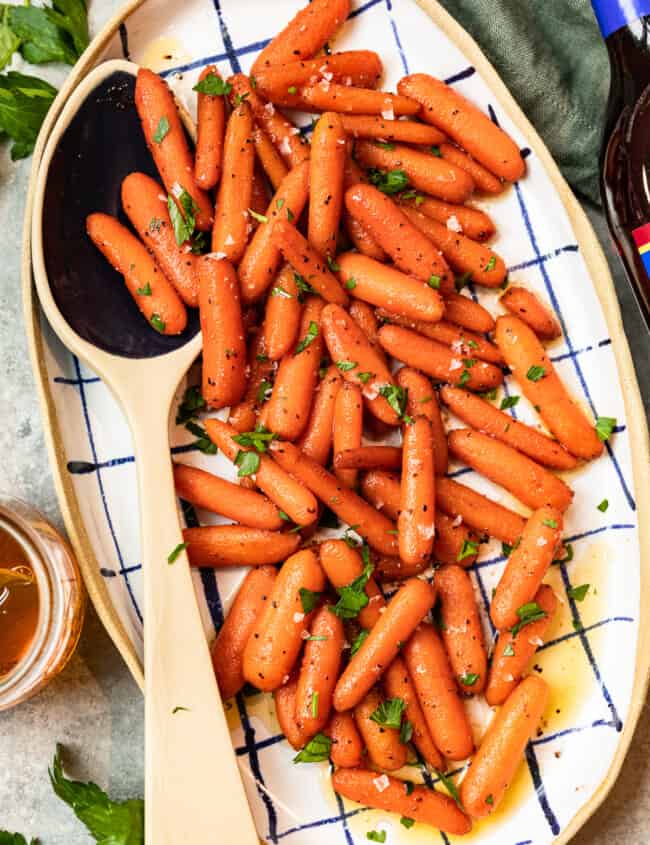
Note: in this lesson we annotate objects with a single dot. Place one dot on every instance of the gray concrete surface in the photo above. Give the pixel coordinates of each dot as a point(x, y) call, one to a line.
point(94, 707)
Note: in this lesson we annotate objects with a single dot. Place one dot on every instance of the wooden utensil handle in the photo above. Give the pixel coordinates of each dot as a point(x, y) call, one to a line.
point(194, 792)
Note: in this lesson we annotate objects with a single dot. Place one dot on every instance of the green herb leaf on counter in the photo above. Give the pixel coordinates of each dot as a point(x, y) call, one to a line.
point(42, 39)
point(7, 838)
point(24, 102)
point(9, 41)
point(317, 750)
point(192, 403)
point(172, 557)
point(389, 713)
point(183, 221)
point(213, 86)
point(388, 181)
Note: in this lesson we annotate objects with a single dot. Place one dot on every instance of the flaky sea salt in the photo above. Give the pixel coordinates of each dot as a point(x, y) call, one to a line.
point(453, 224)
point(269, 108)
point(229, 240)
point(388, 114)
point(285, 146)
point(381, 783)
point(458, 520)
point(542, 541)
point(455, 364)
point(298, 617)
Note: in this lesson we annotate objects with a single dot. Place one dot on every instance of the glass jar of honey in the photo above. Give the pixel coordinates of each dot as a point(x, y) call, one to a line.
point(42, 602)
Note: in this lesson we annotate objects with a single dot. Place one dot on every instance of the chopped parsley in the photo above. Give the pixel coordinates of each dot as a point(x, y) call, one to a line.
point(579, 593)
point(509, 402)
point(405, 732)
point(535, 373)
point(469, 679)
point(292, 89)
point(144, 291)
point(263, 391)
point(396, 397)
point(203, 442)
point(277, 290)
point(161, 130)
point(376, 835)
point(388, 181)
point(183, 218)
point(389, 713)
point(157, 322)
point(316, 751)
point(351, 283)
point(451, 787)
point(385, 145)
point(434, 281)
point(248, 463)
point(192, 402)
point(333, 265)
point(352, 597)
point(550, 523)
point(258, 439)
point(527, 613)
point(346, 366)
point(308, 339)
point(261, 218)
point(359, 641)
point(509, 650)
point(213, 86)
point(406, 822)
point(364, 378)
point(604, 427)
point(602, 507)
point(468, 549)
point(309, 599)
point(173, 555)
point(462, 280)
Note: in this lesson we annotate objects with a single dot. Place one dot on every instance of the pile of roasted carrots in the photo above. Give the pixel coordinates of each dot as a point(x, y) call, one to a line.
point(307, 301)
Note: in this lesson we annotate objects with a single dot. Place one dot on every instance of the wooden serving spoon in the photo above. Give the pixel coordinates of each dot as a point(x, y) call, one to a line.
point(194, 793)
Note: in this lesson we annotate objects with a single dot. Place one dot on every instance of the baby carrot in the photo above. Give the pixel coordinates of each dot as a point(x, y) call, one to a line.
point(305, 34)
point(364, 315)
point(287, 411)
point(360, 237)
point(284, 698)
point(145, 205)
point(152, 292)
point(465, 312)
point(463, 254)
point(383, 743)
point(485, 181)
point(286, 492)
point(262, 257)
point(243, 415)
point(469, 344)
point(377, 127)
point(513, 653)
point(348, 428)
point(167, 143)
point(524, 304)
point(328, 152)
point(270, 159)
point(224, 340)
point(306, 261)
point(424, 805)
point(276, 639)
point(347, 99)
point(282, 316)
point(526, 567)
point(352, 509)
point(316, 439)
point(437, 360)
point(216, 546)
point(422, 400)
point(461, 629)
point(387, 223)
point(228, 648)
point(541, 385)
point(454, 542)
point(215, 494)
point(417, 500)
point(394, 569)
point(231, 218)
point(210, 123)
point(478, 512)
point(382, 489)
point(428, 666)
point(471, 222)
point(319, 671)
point(502, 750)
point(425, 172)
point(529, 482)
point(369, 457)
point(347, 745)
point(342, 565)
point(465, 124)
point(401, 617)
point(484, 417)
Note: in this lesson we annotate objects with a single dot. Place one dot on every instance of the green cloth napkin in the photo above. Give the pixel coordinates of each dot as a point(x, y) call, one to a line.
point(551, 56)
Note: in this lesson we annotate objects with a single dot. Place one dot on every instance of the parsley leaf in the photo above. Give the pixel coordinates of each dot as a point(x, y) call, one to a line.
point(183, 221)
point(158, 323)
point(406, 822)
point(203, 443)
point(161, 130)
point(359, 641)
point(262, 391)
point(248, 463)
point(579, 593)
point(509, 402)
point(405, 732)
point(451, 787)
point(492, 263)
point(568, 557)
point(24, 102)
point(258, 439)
point(144, 291)
point(469, 679)
point(346, 366)
point(396, 397)
point(604, 427)
point(364, 378)
point(261, 218)
point(385, 145)
point(434, 281)
point(468, 549)
point(550, 523)
point(172, 557)
point(333, 264)
point(376, 835)
point(280, 291)
point(389, 713)
point(192, 402)
point(9, 41)
point(51, 34)
point(602, 507)
point(527, 613)
point(316, 751)
point(535, 373)
point(308, 339)
point(213, 85)
point(507, 549)
point(388, 181)
point(309, 599)
point(353, 596)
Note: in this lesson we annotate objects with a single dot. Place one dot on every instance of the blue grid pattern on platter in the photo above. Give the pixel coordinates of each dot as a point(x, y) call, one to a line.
point(572, 358)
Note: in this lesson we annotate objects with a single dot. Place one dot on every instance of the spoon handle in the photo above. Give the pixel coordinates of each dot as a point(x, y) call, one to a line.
point(194, 792)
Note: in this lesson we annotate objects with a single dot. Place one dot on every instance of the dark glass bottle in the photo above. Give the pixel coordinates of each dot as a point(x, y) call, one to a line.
point(625, 159)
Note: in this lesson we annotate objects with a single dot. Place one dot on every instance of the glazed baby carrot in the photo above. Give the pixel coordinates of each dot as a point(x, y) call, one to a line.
point(216, 546)
point(286, 492)
point(286, 137)
point(437, 360)
point(259, 197)
point(485, 181)
point(210, 123)
point(529, 482)
point(369, 457)
point(472, 222)
point(478, 512)
point(512, 654)
point(465, 312)
point(284, 698)
point(424, 172)
point(352, 353)
point(502, 750)
point(145, 205)
point(215, 494)
point(387, 223)
point(394, 569)
point(270, 159)
point(319, 671)
point(382, 742)
point(282, 316)
point(348, 427)
point(524, 304)
point(398, 684)
point(465, 124)
point(352, 509)
point(484, 417)
point(461, 629)
point(401, 617)
point(422, 399)
point(389, 288)
point(454, 542)
point(463, 254)
point(306, 261)
point(152, 292)
point(332, 96)
point(304, 35)
point(287, 411)
point(428, 666)
point(359, 236)
point(231, 218)
point(382, 489)
point(364, 315)
point(243, 416)
point(224, 341)
point(316, 440)
point(541, 385)
point(228, 648)
point(377, 127)
point(167, 143)
point(328, 152)
point(347, 745)
point(526, 567)
point(342, 565)
point(415, 524)
point(276, 639)
point(424, 805)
